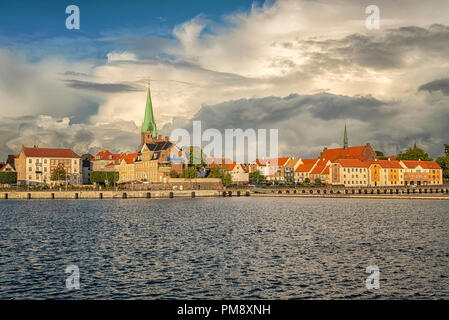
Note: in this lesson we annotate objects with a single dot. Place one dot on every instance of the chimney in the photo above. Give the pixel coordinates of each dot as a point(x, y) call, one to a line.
point(159, 137)
point(166, 138)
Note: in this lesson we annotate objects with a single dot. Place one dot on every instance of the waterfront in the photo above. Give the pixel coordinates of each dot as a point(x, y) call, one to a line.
point(224, 248)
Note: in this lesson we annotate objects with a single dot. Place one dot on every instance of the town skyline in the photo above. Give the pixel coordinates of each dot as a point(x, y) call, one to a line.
point(388, 85)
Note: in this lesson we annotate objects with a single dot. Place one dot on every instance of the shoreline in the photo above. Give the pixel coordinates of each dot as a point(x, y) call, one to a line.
point(99, 195)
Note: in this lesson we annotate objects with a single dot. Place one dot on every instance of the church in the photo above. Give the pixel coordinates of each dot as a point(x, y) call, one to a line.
point(157, 156)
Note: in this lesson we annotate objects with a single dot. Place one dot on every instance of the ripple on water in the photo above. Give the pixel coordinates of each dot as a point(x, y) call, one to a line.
point(264, 248)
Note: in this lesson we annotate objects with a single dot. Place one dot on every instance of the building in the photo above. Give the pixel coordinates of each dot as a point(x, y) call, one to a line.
point(386, 173)
point(320, 172)
point(271, 169)
point(146, 165)
point(126, 168)
point(87, 166)
point(103, 160)
point(6, 167)
point(417, 172)
point(238, 171)
point(289, 169)
point(302, 172)
point(35, 165)
point(169, 156)
point(350, 172)
point(362, 153)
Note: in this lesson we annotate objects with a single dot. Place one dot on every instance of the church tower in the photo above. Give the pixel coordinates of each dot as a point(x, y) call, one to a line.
point(345, 139)
point(149, 125)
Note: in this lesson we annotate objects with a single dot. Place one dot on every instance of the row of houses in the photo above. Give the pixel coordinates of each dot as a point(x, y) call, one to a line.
point(351, 167)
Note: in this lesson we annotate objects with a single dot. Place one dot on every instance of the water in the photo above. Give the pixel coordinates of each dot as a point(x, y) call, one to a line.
point(224, 248)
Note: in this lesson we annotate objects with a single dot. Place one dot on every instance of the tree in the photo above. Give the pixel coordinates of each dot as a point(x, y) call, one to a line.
point(256, 177)
point(196, 157)
point(443, 161)
point(189, 173)
point(307, 180)
point(219, 172)
point(8, 177)
point(318, 181)
point(380, 154)
point(414, 153)
point(174, 174)
point(59, 174)
point(103, 176)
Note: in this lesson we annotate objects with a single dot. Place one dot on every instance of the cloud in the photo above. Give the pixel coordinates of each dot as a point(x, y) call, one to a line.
point(308, 123)
point(101, 87)
point(436, 85)
point(47, 131)
point(296, 65)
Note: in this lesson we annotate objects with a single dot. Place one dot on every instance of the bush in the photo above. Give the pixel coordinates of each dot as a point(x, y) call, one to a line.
point(8, 177)
point(103, 176)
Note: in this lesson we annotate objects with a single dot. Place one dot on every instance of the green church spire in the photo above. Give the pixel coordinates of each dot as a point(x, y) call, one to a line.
point(148, 122)
point(345, 140)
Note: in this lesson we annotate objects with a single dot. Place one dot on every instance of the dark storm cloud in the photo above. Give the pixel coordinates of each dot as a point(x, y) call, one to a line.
point(100, 87)
point(436, 85)
point(307, 123)
point(271, 110)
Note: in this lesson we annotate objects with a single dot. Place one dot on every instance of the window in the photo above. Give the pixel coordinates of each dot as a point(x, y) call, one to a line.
point(30, 161)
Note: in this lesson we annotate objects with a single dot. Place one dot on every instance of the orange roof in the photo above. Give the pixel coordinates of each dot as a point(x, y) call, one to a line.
point(106, 155)
point(308, 161)
point(411, 164)
point(354, 163)
point(49, 153)
point(229, 166)
point(307, 166)
point(272, 162)
point(326, 170)
point(392, 164)
point(341, 153)
point(129, 158)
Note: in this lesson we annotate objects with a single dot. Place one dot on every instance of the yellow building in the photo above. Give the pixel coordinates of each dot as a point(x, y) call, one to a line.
point(386, 173)
point(350, 172)
point(146, 165)
point(126, 169)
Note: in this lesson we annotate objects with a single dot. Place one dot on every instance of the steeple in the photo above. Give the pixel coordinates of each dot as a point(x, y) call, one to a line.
point(148, 124)
point(345, 139)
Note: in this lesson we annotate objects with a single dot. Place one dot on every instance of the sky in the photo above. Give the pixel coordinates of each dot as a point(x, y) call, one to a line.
point(304, 67)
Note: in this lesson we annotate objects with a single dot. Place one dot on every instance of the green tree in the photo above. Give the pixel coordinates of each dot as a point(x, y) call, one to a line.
point(103, 176)
point(318, 181)
point(256, 177)
point(59, 174)
point(196, 157)
point(414, 153)
point(380, 154)
point(307, 180)
point(174, 174)
point(8, 177)
point(189, 173)
point(443, 161)
point(219, 172)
